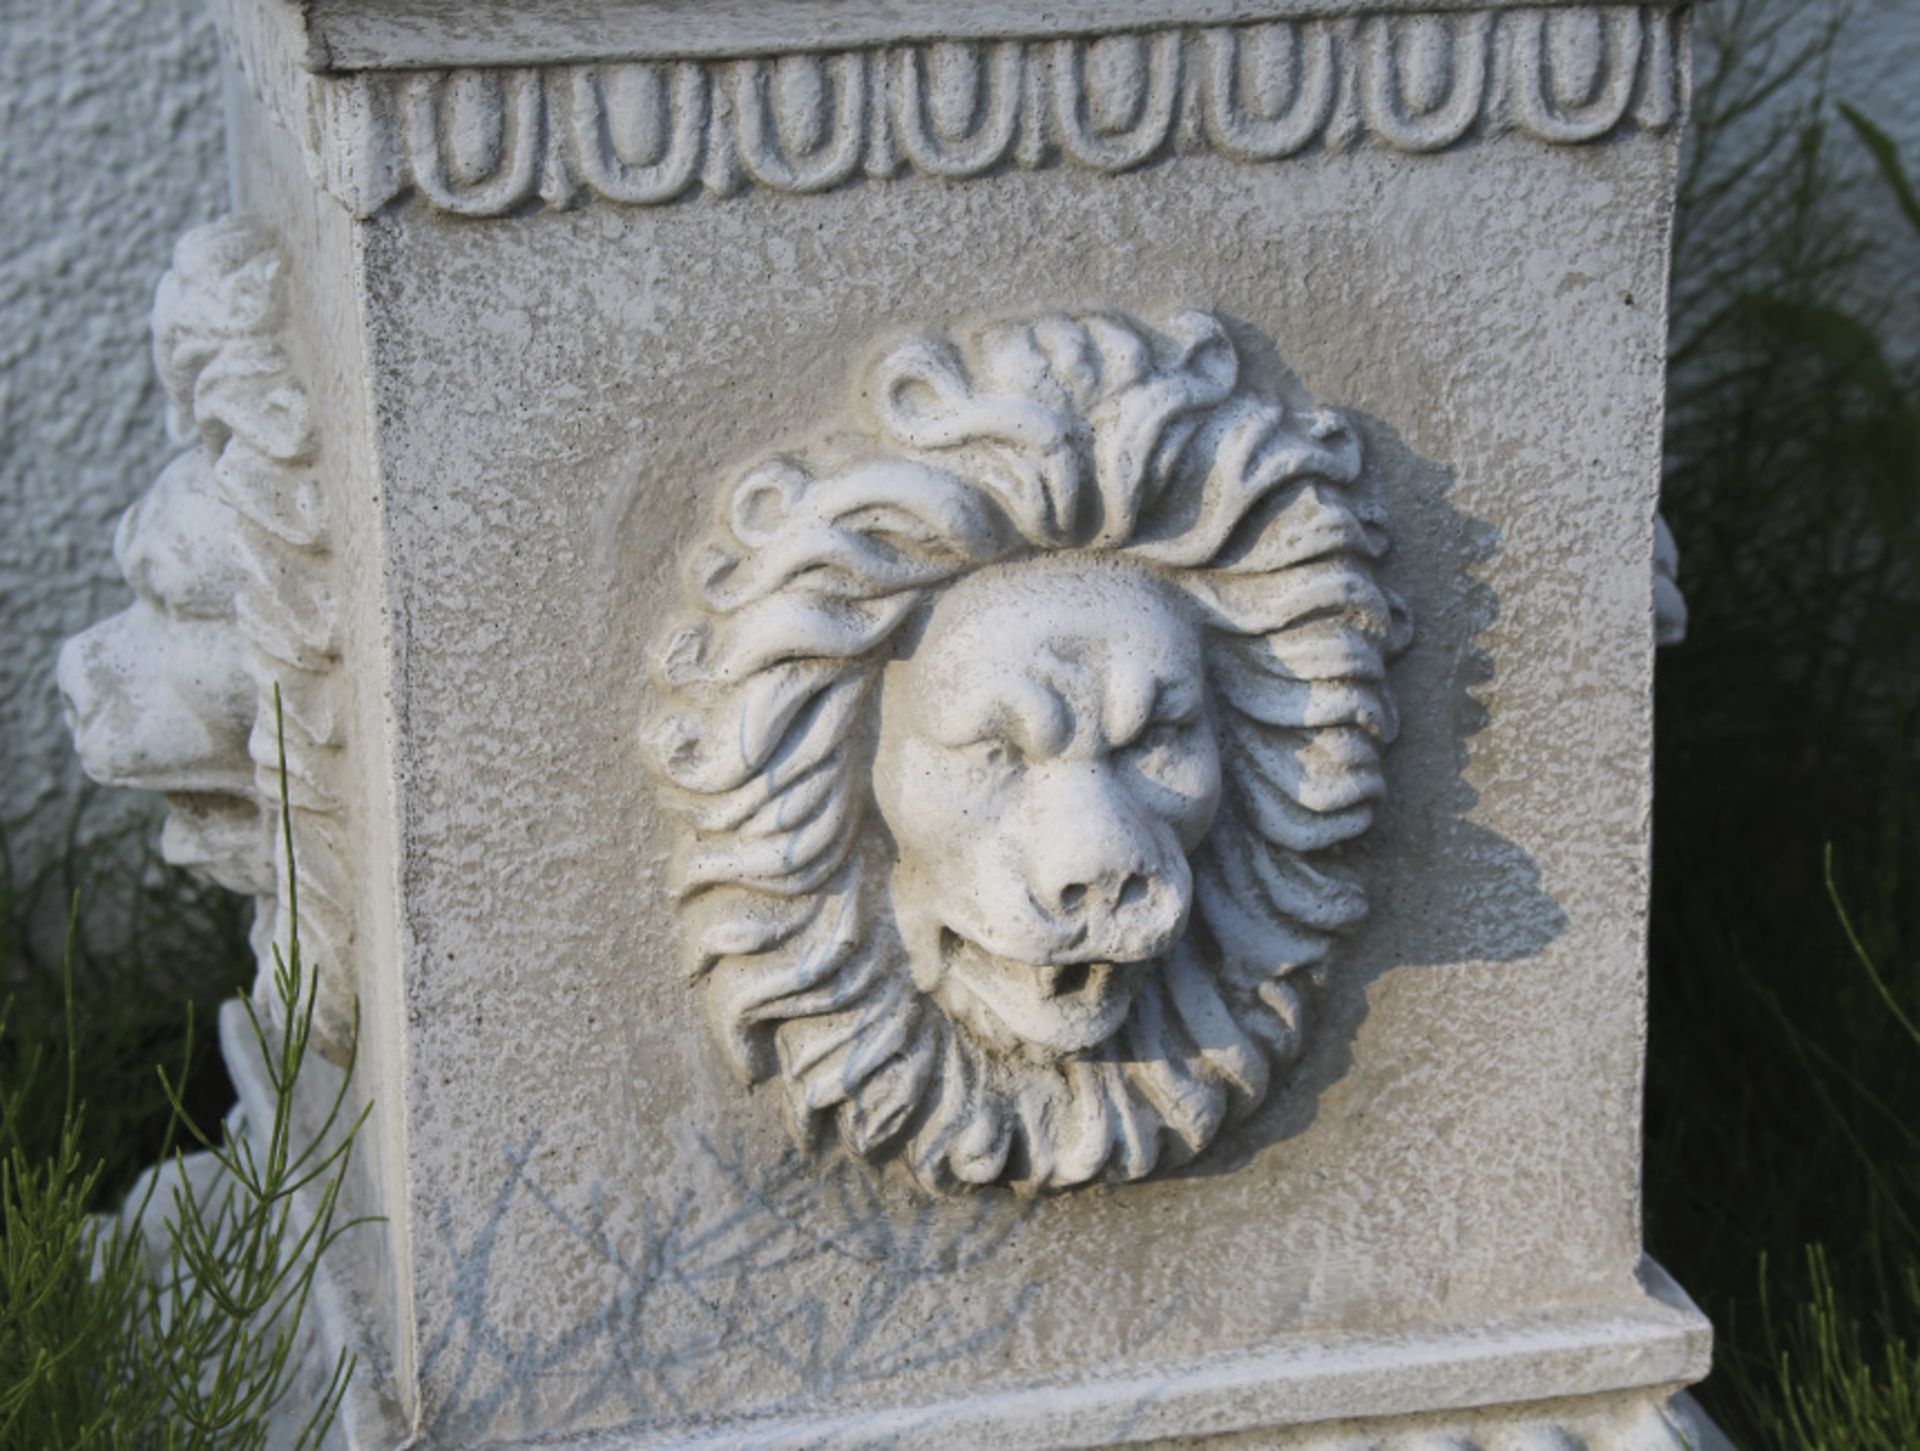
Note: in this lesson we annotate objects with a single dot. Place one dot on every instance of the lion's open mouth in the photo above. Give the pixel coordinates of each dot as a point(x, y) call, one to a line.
point(1063, 983)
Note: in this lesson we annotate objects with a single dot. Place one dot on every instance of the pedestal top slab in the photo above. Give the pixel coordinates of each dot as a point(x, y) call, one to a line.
point(482, 111)
point(356, 35)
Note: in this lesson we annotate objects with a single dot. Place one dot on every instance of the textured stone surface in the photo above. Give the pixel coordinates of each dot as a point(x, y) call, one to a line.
point(111, 112)
point(113, 148)
point(112, 119)
point(221, 672)
point(595, 1227)
point(534, 401)
point(1501, 340)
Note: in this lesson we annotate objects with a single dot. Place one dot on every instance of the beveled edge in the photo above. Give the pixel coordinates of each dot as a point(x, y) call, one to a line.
point(343, 36)
point(1622, 1359)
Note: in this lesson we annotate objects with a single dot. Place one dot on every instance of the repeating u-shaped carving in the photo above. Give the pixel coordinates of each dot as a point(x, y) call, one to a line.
point(1659, 101)
point(507, 103)
point(994, 115)
point(1561, 59)
point(596, 136)
point(1232, 121)
point(1409, 55)
point(481, 142)
point(801, 162)
point(1074, 102)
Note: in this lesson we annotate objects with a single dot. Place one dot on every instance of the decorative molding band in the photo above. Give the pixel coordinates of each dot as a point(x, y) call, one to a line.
point(488, 141)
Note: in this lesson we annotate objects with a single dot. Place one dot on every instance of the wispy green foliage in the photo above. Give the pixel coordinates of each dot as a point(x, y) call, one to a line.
point(152, 946)
point(176, 1324)
point(1835, 1387)
point(1844, 1380)
point(1782, 1074)
point(68, 1289)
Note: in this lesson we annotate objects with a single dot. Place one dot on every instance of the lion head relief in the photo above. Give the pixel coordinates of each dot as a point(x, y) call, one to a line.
point(1009, 733)
point(222, 672)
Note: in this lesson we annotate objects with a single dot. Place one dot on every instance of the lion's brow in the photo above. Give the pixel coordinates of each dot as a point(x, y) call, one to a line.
point(1166, 700)
point(1030, 713)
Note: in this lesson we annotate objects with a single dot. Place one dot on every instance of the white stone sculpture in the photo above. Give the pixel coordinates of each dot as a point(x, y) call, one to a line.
point(159, 697)
point(1011, 765)
point(1007, 732)
point(227, 554)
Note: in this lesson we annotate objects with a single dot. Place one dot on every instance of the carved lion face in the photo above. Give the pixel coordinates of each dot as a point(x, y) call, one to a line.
point(1012, 738)
point(160, 696)
point(165, 695)
point(1046, 762)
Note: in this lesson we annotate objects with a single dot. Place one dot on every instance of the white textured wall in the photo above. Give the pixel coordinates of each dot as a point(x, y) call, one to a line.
point(110, 116)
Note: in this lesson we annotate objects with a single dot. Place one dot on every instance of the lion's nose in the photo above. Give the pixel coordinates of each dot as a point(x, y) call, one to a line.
point(1093, 859)
point(1109, 891)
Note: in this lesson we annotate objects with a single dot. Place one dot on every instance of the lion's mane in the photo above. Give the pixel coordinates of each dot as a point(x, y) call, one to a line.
point(222, 352)
point(1056, 434)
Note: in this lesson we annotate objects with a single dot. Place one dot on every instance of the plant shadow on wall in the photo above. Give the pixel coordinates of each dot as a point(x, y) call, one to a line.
point(695, 1299)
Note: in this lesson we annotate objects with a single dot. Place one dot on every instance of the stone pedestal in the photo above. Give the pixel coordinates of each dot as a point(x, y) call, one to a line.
point(967, 691)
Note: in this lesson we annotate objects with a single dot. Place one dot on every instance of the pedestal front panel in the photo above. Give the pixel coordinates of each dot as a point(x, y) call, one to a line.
point(1021, 775)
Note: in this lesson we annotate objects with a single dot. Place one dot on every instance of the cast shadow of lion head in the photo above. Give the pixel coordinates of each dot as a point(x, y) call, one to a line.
point(1016, 731)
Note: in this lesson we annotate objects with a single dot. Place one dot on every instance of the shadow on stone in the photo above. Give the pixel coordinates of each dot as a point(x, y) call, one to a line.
point(1445, 890)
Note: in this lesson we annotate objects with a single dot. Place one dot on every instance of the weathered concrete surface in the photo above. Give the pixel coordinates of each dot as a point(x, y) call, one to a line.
point(1465, 1138)
point(538, 370)
point(111, 115)
point(596, 1226)
point(110, 111)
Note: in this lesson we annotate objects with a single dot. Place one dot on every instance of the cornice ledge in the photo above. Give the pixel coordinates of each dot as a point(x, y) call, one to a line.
point(373, 35)
point(490, 140)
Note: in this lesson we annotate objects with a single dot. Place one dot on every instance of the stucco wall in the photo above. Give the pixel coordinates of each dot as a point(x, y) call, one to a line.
point(113, 145)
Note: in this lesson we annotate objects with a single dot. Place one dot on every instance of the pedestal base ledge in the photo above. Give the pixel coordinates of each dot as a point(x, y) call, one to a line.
point(1613, 1366)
